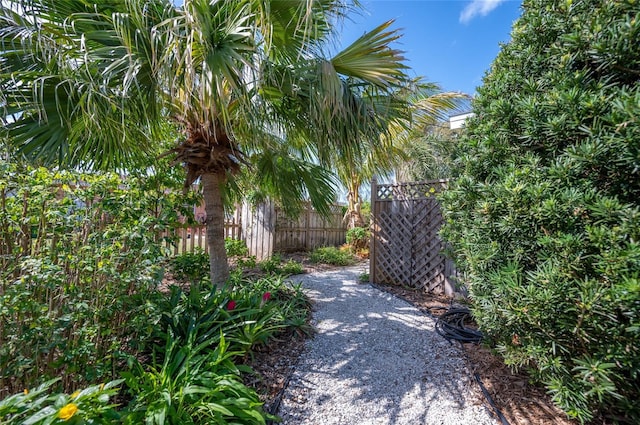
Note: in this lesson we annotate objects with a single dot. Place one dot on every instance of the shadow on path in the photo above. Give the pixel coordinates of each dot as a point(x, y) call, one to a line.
point(375, 360)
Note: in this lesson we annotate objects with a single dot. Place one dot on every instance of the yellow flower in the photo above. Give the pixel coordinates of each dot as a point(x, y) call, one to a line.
point(26, 391)
point(67, 411)
point(102, 386)
point(75, 394)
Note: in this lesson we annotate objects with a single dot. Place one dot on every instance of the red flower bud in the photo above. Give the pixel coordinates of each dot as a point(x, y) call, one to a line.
point(266, 296)
point(231, 305)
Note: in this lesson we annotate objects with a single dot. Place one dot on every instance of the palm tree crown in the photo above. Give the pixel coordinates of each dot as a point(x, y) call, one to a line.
point(89, 84)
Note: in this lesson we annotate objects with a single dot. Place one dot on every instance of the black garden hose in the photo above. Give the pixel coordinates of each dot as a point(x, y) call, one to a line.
point(451, 326)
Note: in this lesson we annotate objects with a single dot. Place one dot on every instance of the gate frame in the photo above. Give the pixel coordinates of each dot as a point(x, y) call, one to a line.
point(406, 196)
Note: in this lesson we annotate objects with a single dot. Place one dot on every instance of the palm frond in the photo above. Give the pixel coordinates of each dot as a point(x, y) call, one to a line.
point(370, 58)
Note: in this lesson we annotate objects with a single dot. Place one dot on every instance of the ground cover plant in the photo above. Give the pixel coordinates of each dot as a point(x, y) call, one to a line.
point(544, 220)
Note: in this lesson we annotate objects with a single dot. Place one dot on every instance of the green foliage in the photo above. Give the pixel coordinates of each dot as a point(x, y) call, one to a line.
point(544, 220)
point(192, 266)
point(249, 314)
point(291, 267)
point(274, 265)
point(193, 378)
point(190, 373)
point(358, 239)
point(247, 262)
point(365, 210)
point(79, 265)
point(235, 248)
point(331, 255)
point(40, 406)
point(192, 385)
point(431, 155)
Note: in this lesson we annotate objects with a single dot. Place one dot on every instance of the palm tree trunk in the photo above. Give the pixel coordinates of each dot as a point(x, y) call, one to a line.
point(212, 193)
point(354, 210)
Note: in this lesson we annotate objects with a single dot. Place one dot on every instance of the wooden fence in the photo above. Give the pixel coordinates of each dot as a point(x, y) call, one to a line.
point(192, 238)
point(266, 229)
point(405, 247)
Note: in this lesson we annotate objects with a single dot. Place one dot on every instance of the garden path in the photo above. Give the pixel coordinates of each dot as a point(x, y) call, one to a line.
point(375, 359)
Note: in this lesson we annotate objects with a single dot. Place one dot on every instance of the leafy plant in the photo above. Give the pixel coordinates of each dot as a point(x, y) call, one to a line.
point(79, 267)
point(291, 267)
point(544, 220)
point(272, 264)
point(235, 248)
point(192, 266)
point(40, 406)
point(358, 239)
point(247, 262)
point(250, 313)
point(331, 255)
point(192, 386)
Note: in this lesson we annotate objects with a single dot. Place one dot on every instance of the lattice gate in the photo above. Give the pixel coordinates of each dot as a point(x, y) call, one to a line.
point(405, 247)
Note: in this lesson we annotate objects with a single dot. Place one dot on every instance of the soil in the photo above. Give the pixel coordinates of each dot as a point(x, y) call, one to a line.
point(519, 401)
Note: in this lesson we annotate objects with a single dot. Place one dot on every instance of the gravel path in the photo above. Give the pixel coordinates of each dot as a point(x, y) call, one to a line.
point(375, 360)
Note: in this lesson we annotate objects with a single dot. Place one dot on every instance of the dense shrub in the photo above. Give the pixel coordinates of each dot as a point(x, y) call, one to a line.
point(79, 257)
point(545, 218)
point(191, 266)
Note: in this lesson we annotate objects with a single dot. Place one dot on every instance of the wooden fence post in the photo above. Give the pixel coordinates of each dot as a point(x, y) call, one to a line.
point(372, 230)
point(259, 225)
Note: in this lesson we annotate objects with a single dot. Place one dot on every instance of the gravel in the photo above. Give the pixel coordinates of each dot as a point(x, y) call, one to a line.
point(375, 360)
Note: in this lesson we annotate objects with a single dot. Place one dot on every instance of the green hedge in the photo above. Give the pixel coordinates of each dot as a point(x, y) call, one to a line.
point(544, 221)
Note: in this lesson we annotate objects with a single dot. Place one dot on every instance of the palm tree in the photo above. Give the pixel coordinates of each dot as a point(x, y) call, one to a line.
point(387, 132)
point(89, 85)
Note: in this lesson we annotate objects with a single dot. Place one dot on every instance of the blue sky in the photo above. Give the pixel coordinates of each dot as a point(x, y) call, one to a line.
point(449, 42)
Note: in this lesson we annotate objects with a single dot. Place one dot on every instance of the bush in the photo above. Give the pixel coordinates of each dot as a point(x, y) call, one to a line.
point(235, 248)
point(545, 218)
point(78, 272)
point(331, 255)
point(191, 372)
point(274, 265)
point(358, 239)
point(291, 267)
point(191, 266)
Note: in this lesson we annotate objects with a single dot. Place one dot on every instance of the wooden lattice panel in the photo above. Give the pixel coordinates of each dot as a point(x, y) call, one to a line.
point(407, 191)
point(405, 246)
point(393, 253)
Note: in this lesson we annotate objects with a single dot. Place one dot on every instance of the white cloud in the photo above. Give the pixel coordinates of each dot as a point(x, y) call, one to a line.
point(478, 8)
